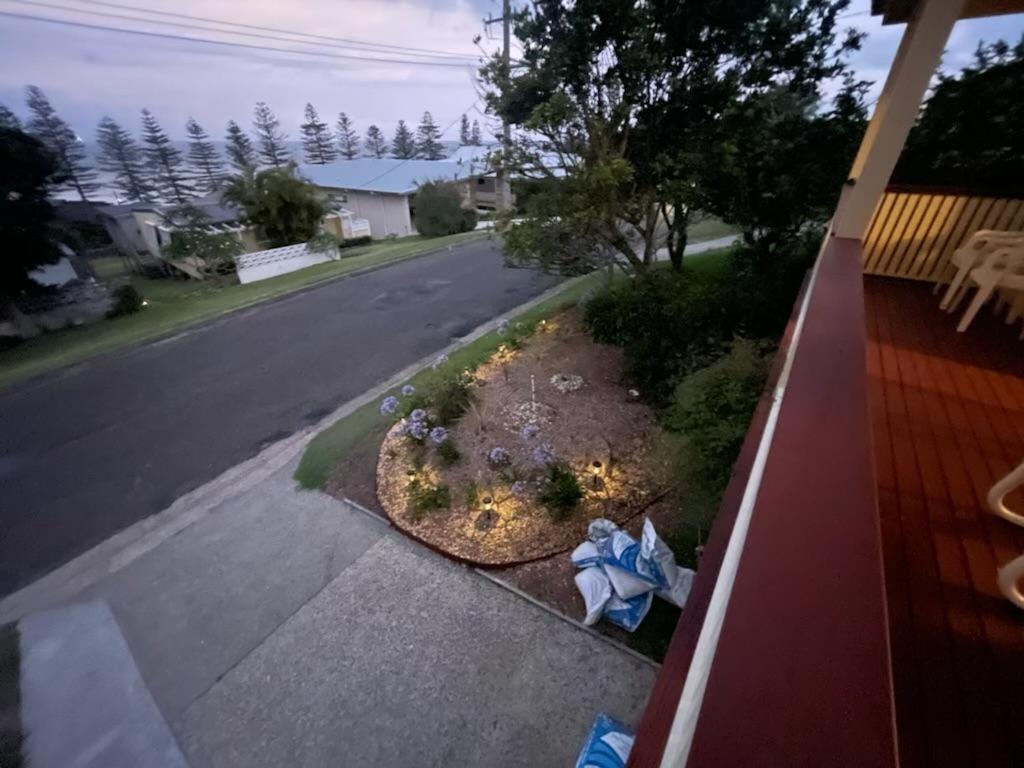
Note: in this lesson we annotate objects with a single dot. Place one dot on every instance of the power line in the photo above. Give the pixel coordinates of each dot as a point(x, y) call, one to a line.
point(248, 46)
point(407, 159)
point(56, 6)
point(190, 17)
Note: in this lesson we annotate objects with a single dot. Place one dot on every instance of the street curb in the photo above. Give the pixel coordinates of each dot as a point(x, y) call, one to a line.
point(568, 619)
point(505, 585)
point(133, 542)
point(40, 379)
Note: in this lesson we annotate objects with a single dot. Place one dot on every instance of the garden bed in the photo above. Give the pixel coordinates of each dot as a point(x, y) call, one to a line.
point(556, 400)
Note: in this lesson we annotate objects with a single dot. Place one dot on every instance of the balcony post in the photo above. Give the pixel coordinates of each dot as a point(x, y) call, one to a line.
point(916, 61)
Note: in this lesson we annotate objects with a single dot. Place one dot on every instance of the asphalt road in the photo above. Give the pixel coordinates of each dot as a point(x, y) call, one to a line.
point(87, 452)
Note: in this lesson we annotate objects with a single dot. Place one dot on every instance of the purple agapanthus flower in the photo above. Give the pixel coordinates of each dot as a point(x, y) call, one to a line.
point(418, 415)
point(417, 430)
point(438, 435)
point(441, 360)
point(389, 405)
point(520, 488)
point(543, 454)
point(498, 456)
point(529, 432)
point(408, 389)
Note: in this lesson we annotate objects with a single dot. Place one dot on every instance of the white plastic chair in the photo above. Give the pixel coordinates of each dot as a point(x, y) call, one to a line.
point(970, 255)
point(1002, 268)
point(1010, 575)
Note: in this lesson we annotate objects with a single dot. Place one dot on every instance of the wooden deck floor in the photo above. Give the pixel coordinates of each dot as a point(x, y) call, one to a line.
point(948, 421)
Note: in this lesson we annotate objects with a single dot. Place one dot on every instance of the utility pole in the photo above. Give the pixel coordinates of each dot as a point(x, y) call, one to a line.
point(503, 188)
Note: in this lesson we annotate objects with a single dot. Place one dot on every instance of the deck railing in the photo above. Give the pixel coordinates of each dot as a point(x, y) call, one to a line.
point(916, 229)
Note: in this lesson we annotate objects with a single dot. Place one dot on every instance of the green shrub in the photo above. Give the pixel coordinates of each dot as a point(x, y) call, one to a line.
point(667, 323)
point(672, 323)
point(559, 492)
point(350, 242)
point(127, 301)
point(426, 498)
point(439, 211)
point(447, 394)
point(448, 453)
point(712, 407)
point(471, 496)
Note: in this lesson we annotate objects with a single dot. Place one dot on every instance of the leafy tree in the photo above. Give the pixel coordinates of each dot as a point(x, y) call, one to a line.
point(286, 208)
point(403, 146)
point(120, 155)
point(272, 148)
point(776, 165)
point(192, 237)
point(207, 165)
point(348, 139)
point(165, 166)
point(9, 120)
point(628, 97)
point(464, 135)
point(240, 151)
point(439, 210)
point(970, 131)
point(27, 170)
point(376, 145)
point(428, 139)
point(474, 134)
point(317, 141)
point(58, 137)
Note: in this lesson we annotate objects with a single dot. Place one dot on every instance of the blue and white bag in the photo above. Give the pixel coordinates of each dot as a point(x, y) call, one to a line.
point(628, 613)
point(607, 745)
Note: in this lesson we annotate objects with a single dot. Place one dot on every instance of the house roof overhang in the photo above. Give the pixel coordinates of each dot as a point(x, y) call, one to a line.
point(902, 11)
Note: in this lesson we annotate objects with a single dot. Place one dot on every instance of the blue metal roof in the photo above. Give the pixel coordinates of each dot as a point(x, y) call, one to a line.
point(397, 177)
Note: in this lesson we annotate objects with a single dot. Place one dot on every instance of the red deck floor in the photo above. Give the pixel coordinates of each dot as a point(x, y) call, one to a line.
point(948, 421)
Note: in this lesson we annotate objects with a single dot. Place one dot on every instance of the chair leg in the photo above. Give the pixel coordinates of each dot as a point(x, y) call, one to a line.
point(984, 291)
point(1010, 576)
point(1016, 308)
point(954, 289)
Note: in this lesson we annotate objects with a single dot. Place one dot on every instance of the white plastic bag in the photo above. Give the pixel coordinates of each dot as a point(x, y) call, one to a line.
point(596, 590)
point(625, 583)
point(586, 555)
point(628, 613)
point(679, 592)
point(608, 745)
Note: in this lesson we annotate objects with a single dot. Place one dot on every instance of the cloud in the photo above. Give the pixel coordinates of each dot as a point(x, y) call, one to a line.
point(90, 73)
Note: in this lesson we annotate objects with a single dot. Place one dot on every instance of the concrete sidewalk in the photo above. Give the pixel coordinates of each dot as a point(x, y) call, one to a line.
point(286, 628)
point(279, 627)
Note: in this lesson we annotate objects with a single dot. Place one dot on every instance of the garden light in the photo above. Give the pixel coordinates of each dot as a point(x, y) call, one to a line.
point(595, 468)
point(488, 503)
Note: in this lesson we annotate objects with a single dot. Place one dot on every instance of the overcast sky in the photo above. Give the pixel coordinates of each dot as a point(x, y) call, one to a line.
point(88, 73)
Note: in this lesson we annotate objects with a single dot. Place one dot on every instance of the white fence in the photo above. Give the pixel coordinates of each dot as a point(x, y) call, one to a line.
point(261, 265)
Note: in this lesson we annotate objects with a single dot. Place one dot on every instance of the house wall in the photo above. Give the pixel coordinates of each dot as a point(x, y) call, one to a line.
point(148, 223)
point(388, 214)
point(124, 232)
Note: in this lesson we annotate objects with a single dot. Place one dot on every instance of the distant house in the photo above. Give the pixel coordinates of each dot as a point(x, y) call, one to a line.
point(144, 228)
point(381, 190)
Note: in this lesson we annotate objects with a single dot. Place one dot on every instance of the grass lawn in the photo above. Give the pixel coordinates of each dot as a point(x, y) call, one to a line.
point(176, 304)
point(331, 446)
point(709, 228)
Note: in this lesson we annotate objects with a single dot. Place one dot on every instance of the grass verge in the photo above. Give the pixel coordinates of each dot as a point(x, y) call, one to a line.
point(11, 736)
point(335, 443)
point(176, 304)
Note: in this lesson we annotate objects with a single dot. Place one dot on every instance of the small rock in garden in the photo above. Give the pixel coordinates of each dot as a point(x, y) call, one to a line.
point(566, 382)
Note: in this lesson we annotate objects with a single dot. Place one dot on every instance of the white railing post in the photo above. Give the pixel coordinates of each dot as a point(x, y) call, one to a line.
point(916, 61)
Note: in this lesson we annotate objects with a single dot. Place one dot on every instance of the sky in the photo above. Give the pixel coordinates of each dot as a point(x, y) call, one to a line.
point(89, 73)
